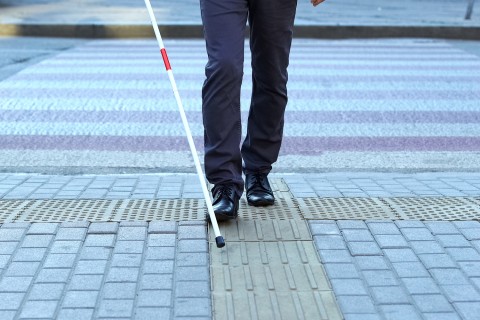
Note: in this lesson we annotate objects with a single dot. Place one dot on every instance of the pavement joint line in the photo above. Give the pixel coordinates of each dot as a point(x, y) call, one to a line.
point(70, 276)
point(141, 274)
point(37, 271)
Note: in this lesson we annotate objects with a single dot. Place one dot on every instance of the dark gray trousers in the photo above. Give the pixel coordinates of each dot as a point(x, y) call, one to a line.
point(271, 25)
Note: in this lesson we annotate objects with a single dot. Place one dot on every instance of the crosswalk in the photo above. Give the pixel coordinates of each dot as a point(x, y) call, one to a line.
point(387, 104)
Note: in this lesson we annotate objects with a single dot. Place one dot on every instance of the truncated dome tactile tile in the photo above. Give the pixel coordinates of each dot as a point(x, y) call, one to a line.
point(263, 230)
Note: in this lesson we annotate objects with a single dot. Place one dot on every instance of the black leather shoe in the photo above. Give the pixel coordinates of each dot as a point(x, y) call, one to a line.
point(259, 192)
point(225, 202)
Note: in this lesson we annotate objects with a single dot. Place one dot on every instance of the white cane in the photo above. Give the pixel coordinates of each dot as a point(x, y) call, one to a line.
point(218, 237)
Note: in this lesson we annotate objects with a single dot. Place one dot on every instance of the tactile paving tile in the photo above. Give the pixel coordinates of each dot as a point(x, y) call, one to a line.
point(284, 221)
point(263, 230)
point(284, 208)
point(344, 208)
point(434, 208)
point(269, 269)
point(259, 252)
point(267, 304)
point(270, 280)
point(10, 210)
point(475, 200)
point(67, 210)
point(169, 209)
point(101, 210)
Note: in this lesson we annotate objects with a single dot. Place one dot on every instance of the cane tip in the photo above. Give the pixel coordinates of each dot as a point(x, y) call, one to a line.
point(220, 242)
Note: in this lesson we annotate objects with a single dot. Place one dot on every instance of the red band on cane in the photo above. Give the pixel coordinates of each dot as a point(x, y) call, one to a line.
point(165, 59)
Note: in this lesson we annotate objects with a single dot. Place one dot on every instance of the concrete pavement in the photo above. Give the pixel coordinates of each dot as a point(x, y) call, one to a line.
point(332, 19)
point(335, 246)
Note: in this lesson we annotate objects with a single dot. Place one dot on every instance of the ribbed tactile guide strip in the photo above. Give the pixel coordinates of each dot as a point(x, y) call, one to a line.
point(264, 230)
point(269, 270)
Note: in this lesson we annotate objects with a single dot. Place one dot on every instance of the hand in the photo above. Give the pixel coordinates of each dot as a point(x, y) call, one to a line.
point(316, 2)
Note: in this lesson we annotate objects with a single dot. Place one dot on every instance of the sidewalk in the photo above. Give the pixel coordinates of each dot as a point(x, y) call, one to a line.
point(81, 247)
point(332, 19)
point(351, 246)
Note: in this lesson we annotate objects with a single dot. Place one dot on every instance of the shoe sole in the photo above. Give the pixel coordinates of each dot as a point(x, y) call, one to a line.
point(261, 203)
point(222, 217)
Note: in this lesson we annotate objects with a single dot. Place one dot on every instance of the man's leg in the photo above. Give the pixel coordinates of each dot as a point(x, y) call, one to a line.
point(271, 29)
point(224, 27)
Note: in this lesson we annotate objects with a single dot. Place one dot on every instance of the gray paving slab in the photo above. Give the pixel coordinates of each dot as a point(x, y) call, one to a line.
point(391, 267)
point(409, 282)
point(52, 271)
point(112, 187)
point(388, 184)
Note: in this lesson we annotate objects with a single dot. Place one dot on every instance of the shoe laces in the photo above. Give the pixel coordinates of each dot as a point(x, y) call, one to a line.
point(258, 180)
point(224, 190)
